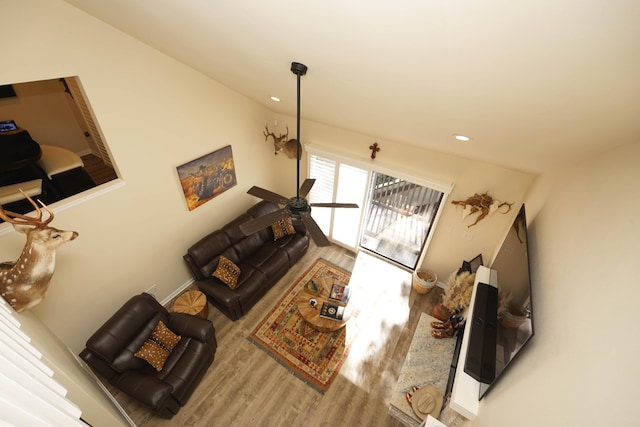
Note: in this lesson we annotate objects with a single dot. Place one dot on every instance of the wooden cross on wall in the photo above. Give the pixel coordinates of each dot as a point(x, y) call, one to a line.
point(374, 149)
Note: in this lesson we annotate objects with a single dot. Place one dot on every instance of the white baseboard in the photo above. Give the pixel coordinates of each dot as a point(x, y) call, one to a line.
point(177, 292)
point(441, 285)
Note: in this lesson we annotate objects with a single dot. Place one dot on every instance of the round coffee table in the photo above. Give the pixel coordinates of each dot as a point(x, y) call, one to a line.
point(312, 314)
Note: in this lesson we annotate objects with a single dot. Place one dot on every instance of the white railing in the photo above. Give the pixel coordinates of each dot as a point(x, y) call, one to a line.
point(29, 395)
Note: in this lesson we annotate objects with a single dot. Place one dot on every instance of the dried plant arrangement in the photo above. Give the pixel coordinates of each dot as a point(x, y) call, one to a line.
point(457, 295)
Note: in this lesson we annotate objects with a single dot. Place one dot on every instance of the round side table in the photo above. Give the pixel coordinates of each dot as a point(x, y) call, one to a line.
point(192, 302)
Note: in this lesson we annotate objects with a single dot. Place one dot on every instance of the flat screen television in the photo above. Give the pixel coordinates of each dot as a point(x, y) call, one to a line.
point(505, 333)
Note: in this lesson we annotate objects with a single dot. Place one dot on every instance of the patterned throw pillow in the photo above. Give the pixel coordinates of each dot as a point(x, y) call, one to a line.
point(282, 228)
point(157, 348)
point(227, 271)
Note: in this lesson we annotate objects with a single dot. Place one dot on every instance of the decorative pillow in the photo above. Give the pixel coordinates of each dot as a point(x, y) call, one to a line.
point(157, 348)
point(227, 271)
point(282, 228)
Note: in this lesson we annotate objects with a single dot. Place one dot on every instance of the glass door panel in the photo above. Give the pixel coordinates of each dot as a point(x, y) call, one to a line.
point(351, 188)
point(399, 216)
point(324, 172)
point(395, 216)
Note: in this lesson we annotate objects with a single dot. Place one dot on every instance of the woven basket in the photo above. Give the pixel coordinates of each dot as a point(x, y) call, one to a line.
point(424, 280)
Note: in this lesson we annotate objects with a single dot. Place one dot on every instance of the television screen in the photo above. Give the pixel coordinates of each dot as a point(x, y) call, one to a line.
point(8, 126)
point(515, 317)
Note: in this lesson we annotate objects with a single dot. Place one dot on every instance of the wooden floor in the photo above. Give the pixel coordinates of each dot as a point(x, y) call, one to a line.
point(98, 170)
point(246, 387)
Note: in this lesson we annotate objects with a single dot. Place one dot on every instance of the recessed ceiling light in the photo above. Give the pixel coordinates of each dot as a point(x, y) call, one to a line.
point(462, 138)
point(275, 99)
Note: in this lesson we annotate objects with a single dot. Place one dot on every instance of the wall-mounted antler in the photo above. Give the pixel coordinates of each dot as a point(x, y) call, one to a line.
point(280, 143)
point(19, 219)
point(24, 283)
point(482, 203)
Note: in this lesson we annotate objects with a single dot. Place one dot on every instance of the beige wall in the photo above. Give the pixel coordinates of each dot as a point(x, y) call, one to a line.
point(155, 114)
point(581, 367)
point(453, 240)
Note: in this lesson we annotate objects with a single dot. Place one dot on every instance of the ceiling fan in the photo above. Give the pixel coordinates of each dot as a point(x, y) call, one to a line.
point(297, 208)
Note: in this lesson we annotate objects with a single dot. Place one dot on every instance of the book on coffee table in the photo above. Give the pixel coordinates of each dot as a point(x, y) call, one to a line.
point(332, 311)
point(340, 293)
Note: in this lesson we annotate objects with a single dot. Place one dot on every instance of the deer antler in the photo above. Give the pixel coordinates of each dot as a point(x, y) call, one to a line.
point(278, 141)
point(19, 219)
point(482, 203)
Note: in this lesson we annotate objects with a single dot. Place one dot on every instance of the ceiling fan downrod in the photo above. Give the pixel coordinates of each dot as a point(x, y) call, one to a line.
point(299, 70)
point(297, 208)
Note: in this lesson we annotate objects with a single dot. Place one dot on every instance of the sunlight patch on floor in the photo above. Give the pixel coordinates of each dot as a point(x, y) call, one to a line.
point(381, 292)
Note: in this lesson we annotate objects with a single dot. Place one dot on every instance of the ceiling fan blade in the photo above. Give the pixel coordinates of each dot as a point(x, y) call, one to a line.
point(334, 205)
point(267, 195)
point(306, 187)
point(257, 224)
point(314, 230)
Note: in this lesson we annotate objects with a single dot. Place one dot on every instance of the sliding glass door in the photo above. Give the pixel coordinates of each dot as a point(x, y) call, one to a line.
point(395, 218)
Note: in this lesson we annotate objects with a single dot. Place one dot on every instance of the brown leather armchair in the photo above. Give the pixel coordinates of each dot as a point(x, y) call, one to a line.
point(110, 353)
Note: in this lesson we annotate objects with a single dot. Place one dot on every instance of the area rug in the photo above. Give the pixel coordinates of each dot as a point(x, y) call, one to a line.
point(314, 357)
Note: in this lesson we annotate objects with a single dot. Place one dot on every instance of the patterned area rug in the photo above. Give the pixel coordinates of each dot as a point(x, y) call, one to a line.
point(313, 356)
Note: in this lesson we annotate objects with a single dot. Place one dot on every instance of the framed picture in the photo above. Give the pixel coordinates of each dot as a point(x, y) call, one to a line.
point(206, 177)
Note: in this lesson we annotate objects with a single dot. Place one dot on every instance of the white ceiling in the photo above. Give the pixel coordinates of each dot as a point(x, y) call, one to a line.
point(533, 83)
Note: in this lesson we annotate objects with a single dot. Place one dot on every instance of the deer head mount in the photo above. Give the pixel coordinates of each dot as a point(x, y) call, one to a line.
point(24, 282)
point(482, 203)
point(280, 143)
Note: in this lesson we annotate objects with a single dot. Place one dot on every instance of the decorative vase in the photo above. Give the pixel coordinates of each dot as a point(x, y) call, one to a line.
point(441, 312)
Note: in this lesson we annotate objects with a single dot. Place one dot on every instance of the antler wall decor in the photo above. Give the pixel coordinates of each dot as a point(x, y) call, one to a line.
point(482, 203)
point(280, 143)
point(24, 282)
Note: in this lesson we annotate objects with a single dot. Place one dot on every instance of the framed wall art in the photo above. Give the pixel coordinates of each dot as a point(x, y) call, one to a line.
point(206, 177)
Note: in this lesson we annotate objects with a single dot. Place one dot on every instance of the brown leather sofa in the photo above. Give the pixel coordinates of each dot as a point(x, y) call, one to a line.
point(261, 259)
point(110, 353)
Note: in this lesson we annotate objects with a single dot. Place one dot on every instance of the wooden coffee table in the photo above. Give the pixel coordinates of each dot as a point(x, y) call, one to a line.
point(312, 314)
